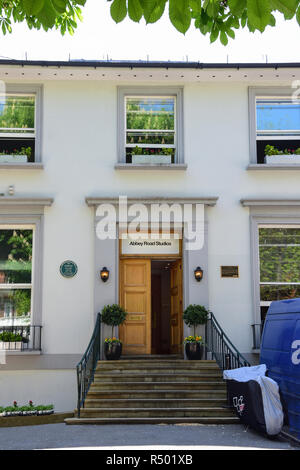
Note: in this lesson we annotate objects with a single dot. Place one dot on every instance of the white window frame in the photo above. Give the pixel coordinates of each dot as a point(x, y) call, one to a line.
point(37, 91)
point(148, 92)
point(267, 93)
point(262, 225)
point(22, 286)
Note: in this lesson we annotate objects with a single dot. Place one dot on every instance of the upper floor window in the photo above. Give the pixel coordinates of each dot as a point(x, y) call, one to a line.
point(20, 124)
point(276, 124)
point(150, 124)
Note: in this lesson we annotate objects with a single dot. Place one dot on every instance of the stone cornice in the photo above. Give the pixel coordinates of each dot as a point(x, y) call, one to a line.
point(208, 201)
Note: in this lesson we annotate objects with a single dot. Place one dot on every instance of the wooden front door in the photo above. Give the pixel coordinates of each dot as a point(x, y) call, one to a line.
point(176, 308)
point(135, 298)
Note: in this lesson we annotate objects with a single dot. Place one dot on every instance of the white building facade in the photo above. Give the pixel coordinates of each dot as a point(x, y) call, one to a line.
point(222, 118)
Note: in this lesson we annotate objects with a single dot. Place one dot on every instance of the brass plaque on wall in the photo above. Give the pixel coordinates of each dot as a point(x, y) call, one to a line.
point(230, 271)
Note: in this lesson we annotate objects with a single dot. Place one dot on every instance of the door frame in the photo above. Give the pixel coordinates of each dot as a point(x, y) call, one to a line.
point(156, 258)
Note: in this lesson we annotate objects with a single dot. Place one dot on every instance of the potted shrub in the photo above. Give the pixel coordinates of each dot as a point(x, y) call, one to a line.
point(16, 156)
point(274, 156)
point(113, 315)
point(152, 156)
point(194, 315)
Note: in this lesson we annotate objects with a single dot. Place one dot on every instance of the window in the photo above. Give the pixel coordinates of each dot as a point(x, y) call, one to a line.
point(16, 248)
point(20, 125)
point(279, 264)
point(274, 122)
point(150, 126)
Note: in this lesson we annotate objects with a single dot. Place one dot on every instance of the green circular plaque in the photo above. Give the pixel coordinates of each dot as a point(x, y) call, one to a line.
point(68, 268)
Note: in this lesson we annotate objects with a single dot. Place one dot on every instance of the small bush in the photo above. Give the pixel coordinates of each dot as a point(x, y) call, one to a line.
point(113, 315)
point(195, 315)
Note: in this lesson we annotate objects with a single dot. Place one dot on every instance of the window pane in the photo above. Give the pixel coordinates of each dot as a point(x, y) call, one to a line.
point(277, 292)
point(279, 236)
point(150, 113)
point(280, 264)
point(15, 256)
point(15, 306)
point(17, 114)
point(160, 138)
point(281, 115)
point(279, 254)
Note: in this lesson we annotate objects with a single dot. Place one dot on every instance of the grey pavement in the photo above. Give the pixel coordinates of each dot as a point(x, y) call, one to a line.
point(213, 437)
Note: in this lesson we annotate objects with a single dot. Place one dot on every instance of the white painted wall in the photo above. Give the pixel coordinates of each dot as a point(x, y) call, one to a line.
point(43, 387)
point(80, 151)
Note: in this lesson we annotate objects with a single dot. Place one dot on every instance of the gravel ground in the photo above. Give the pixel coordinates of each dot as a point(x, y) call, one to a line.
point(61, 436)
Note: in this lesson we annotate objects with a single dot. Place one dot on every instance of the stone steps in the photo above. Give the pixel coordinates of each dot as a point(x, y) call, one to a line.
point(150, 377)
point(163, 420)
point(155, 394)
point(155, 402)
point(156, 391)
point(165, 412)
point(195, 385)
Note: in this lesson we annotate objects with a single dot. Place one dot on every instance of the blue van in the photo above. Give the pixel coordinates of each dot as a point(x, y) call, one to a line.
point(280, 351)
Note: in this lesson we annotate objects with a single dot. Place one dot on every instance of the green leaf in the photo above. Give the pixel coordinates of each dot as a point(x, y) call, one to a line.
point(135, 10)
point(60, 5)
point(237, 7)
point(287, 7)
point(298, 15)
point(223, 38)
point(47, 15)
point(231, 33)
point(118, 10)
point(153, 9)
point(212, 8)
point(195, 5)
point(259, 14)
point(180, 14)
point(33, 7)
point(214, 34)
point(244, 19)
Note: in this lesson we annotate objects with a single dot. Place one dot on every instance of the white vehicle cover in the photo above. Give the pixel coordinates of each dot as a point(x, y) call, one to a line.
point(273, 412)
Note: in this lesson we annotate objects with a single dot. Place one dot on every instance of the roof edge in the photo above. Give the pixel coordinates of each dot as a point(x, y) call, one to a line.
point(147, 64)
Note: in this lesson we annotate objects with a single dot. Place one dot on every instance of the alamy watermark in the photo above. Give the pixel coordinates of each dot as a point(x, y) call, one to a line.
point(153, 221)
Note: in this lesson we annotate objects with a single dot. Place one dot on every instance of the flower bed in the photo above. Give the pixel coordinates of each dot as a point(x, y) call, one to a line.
point(27, 410)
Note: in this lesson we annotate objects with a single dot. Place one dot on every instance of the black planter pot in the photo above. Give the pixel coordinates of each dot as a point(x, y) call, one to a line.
point(194, 351)
point(112, 351)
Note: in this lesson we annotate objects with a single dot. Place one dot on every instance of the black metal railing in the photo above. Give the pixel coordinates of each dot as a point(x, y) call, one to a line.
point(86, 367)
point(257, 329)
point(21, 338)
point(220, 348)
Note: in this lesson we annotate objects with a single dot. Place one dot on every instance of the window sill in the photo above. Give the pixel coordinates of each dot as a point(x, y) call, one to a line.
point(266, 167)
point(21, 166)
point(162, 166)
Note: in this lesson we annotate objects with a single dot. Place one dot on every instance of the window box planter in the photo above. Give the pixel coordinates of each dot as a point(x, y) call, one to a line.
point(151, 159)
point(282, 159)
point(13, 158)
point(11, 345)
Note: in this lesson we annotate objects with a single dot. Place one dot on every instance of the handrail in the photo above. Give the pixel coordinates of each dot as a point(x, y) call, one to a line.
point(220, 347)
point(87, 366)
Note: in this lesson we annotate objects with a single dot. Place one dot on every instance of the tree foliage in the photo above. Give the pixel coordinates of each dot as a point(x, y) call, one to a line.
point(47, 14)
point(217, 18)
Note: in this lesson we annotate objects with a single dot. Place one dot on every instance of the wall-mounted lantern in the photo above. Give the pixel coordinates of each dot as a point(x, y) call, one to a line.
point(198, 273)
point(104, 274)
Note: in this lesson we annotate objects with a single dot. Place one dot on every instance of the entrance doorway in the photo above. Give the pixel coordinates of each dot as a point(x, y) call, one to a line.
point(151, 293)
